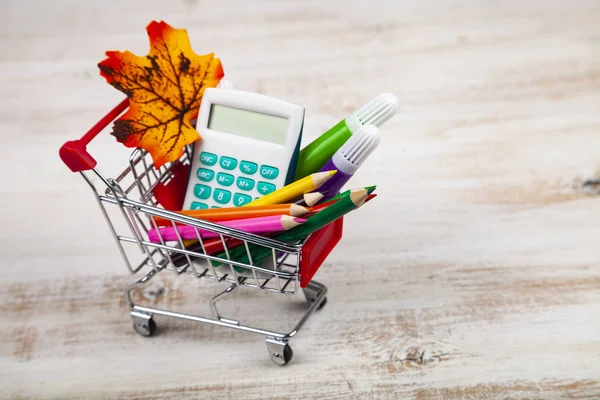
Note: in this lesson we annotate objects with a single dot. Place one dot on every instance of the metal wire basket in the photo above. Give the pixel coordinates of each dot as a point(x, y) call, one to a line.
point(137, 194)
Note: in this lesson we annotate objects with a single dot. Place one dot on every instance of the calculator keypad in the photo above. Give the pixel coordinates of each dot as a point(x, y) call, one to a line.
point(265, 188)
point(245, 183)
point(268, 172)
point(202, 191)
point(205, 175)
point(241, 199)
point(224, 173)
point(196, 205)
point(228, 163)
point(248, 167)
point(225, 179)
point(222, 196)
point(209, 159)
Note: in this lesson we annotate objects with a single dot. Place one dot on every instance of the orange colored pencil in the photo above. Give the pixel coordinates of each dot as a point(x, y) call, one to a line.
point(231, 213)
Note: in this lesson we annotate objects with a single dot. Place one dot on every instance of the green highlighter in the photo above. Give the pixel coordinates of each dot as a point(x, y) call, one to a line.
point(352, 200)
point(316, 154)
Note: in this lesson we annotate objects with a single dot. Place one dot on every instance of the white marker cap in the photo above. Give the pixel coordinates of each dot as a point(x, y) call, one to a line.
point(378, 110)
point(356, 149)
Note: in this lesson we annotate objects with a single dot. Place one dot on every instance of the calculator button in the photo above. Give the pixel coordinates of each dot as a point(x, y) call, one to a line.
point(247, 167)
point(265, 188)
point(202, 191)
point(245, 183)
point(208, 158)
point(225, 179)
point(205, 175)
point(241, 199)
point(222, 196)
point(268, 172)
point(228, 163)
point(196, 205)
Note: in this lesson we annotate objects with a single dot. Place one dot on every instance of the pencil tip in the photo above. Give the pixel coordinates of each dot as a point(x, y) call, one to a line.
point(359, 196)
point(289, 222)
point(297, 210)
point(321, 177)
point(370, 197)
point(313, 198)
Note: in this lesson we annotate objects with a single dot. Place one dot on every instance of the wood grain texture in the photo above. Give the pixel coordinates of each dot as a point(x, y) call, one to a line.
point(484, 282)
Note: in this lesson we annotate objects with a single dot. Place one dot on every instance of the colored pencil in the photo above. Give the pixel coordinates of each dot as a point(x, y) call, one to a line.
point(332, 200)
point(274, 223)
point(370, 189)
point(344, 205)
point(231, 213)
point(294, 189)
point(370, 197)
point(309, 199)
point(213, 246)
point(314, 209)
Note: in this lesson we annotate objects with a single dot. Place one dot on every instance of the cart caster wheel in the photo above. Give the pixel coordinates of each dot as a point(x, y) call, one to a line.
point(285, 358)
point(322, 304)
point(279, 351)
point(145, 328)
point(288, 354)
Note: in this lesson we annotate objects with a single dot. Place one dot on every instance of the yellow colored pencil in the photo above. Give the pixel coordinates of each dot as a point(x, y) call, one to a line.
point(294, 189)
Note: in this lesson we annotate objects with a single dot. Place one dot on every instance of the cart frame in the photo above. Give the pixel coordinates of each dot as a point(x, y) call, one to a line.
point(291, 265)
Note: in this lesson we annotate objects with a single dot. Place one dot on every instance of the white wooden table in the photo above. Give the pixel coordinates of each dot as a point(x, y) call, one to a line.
point(474, 274)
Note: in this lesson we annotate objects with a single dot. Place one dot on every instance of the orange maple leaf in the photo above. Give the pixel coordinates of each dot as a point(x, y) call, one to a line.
point(164, 90)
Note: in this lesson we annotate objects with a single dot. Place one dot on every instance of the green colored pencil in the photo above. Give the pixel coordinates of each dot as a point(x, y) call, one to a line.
point(344, 205)
point(370, 189)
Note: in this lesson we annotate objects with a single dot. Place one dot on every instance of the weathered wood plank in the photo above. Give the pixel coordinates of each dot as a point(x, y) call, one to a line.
point(473, 275)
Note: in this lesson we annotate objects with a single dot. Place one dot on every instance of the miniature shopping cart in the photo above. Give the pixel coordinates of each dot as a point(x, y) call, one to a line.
point(141, 193)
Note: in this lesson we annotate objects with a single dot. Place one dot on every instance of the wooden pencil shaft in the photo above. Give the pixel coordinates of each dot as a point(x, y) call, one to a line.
point(233, 213)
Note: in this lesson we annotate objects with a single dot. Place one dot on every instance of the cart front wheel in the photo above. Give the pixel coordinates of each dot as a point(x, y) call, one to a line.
point(280, 353)
point(145, 328)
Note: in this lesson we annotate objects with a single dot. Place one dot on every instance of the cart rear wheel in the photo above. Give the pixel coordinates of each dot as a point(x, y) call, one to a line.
point(146, 328)
point(284, 357)
point(322, 304)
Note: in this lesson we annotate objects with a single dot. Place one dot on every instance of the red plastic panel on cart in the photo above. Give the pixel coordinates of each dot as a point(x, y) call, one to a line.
point(317, 248)
point(172, 195)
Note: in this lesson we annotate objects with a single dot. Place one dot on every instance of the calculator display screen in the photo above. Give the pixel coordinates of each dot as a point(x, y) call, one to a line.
point(246, 123)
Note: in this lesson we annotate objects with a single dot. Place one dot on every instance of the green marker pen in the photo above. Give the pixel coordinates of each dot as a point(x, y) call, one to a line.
point(316, 154)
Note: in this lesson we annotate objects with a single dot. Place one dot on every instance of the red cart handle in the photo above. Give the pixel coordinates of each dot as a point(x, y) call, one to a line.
point(74, 153)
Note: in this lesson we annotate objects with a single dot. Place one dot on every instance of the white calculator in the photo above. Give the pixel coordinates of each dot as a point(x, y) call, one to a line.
point(249, 148)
